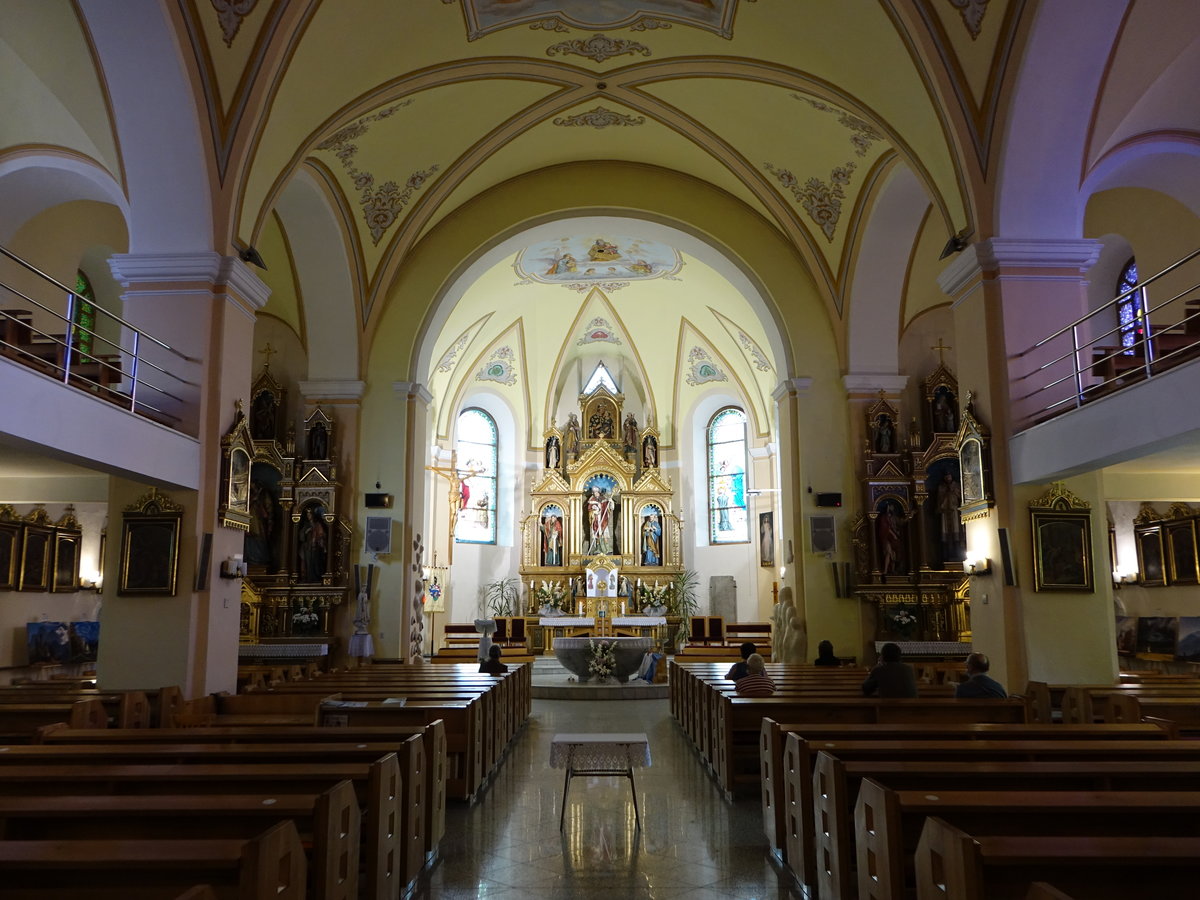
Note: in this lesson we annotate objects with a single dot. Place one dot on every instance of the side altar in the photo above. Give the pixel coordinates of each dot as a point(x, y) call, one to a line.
point(601, 539)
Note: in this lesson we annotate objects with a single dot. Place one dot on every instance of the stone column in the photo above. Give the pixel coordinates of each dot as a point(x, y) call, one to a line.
point(402, 625)
point(203, 305)
point(1007, 295)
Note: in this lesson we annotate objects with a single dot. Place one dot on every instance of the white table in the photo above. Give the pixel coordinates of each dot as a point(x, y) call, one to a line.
point(613, 755)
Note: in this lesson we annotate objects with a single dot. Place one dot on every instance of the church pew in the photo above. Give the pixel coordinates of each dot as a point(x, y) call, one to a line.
point(26, 718)
point(433, 737)
point(952, 863)
point(329, 821)
point(739, 724)
point(123, 709)
point(833, 802)
point(835, 783)
point(887, 823)
point(268, 867)
point(774, 763)
point(388, 842)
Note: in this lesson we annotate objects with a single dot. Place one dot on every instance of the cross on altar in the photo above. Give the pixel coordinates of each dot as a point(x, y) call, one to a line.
point(268, 351)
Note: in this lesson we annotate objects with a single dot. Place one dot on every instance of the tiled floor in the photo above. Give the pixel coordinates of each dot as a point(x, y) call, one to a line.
point(694, 844)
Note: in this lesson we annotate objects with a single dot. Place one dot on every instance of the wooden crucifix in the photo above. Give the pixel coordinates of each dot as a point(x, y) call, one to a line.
point(456, 477)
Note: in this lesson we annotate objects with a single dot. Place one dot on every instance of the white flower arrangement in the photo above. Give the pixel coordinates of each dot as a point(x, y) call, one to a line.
point(552, 595)
point(653, 595)
point(604, 660)
point(305, 619)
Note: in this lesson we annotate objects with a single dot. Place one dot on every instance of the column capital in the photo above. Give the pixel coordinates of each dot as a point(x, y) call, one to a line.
point(863, 383)
point(797, 387)
point(169, 273)
point(1031, 257)
point(413, 389)
point(332, 389)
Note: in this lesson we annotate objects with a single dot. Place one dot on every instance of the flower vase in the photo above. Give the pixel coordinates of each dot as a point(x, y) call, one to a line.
point(550, 612)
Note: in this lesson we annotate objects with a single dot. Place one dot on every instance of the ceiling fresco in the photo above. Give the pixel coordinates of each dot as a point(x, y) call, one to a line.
point(615, 260)
point(484, 16)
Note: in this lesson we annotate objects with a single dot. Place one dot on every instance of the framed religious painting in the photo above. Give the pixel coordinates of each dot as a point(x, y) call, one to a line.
point(37, 555)
point(1062, 551)
point(974, 465)
point(66, 562)
point(1151, 568)
point(237, 451)
point(766, 538)
point(1182, 564)
point(10, 554)
point(150, 546)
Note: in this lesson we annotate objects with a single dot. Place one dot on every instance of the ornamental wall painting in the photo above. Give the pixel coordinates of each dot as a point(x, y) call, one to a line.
point(599, 258)
point(485, 16)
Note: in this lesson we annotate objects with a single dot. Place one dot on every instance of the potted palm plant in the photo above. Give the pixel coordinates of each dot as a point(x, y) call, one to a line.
point(502, 596)
point(684, 603)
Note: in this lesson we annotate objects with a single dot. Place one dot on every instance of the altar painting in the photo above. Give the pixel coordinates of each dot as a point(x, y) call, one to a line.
point(602, 512)
point(571, 260)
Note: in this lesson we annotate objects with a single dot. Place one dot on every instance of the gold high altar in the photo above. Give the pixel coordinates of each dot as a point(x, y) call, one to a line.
point(601, 527)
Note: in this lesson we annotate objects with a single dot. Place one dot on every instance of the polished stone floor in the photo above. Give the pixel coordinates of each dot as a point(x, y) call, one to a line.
point(693, 843)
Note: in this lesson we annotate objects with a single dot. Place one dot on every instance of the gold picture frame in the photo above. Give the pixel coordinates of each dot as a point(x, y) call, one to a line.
point(10, 554)
point(237, 454)
point(37, 552)
point(1062, 541)
point(150, 546)
point(1152, 571)
point(66, 562)
point(1183, 567)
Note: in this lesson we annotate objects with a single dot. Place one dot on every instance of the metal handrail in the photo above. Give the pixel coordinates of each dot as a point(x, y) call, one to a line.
point(67, 361)
point(1147, 349)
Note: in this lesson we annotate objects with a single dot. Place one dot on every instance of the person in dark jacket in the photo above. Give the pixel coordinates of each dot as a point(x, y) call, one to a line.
point(978, 684)
point(738, 669)
point(825, 655)
point(492, 665)
point(890, 677)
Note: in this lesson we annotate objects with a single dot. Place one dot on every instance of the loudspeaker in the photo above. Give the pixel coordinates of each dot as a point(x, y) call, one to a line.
point(822, 534)
point(378, 538)
point(379, 501)
point(1006, 560)
point(829, 499)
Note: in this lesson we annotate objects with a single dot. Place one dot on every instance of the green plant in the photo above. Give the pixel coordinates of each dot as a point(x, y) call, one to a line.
point(502, 596)
point(683, 602)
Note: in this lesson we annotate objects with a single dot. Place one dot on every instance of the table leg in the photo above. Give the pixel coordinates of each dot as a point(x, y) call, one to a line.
point(637, 817)
point(566, 787)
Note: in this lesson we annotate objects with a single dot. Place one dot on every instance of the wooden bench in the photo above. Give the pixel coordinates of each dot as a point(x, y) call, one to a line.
point(835, 784)
point(887, 823)
point(952, 863)
point(268, 867)
point(329, 821)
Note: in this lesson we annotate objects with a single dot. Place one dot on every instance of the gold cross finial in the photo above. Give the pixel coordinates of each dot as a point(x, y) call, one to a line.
point(941, 349)
point(268, 351)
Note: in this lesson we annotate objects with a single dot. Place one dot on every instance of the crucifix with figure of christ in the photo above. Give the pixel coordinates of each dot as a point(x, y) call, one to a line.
point(456, 477)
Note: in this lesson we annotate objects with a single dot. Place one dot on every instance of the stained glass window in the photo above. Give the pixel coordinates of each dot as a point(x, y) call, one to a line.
point(1131, 315)
point(727, 519)
point(476, 444)
point(85, 313)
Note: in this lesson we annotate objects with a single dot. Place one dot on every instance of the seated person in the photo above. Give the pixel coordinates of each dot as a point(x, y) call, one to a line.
point(825, 655)
point(890, 677)
point(756, 683)
point(738, 669)
point(492, 665)
point(978, 685)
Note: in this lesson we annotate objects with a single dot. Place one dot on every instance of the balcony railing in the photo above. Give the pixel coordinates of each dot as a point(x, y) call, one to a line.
point(109, 358)
point(1097, 354)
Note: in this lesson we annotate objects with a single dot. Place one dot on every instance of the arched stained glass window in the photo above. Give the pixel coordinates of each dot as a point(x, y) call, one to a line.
point(1131, 311)
point(84, 314)
point(727, 520)
point(476, 444)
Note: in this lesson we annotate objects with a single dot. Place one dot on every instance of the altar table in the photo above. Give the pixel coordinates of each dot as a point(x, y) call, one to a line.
point(604, 755)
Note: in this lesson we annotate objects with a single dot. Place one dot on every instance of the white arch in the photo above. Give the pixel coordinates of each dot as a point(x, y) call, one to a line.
point(322, 263)
point(1167, 164)
point(877, 289)
point(1046, 134)
point(31, 183)
point(708, 253)
point(155, 112)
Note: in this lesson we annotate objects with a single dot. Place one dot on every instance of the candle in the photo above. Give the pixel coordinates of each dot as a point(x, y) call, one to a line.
point(622, 607)
point(581, 607)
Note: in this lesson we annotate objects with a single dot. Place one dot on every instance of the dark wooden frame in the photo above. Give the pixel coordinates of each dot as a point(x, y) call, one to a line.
point(10, 547)
point(1051, 553)
point(1180, 546)
point(66, 581)
point(1150, 549)
point(32, 576)
point(144, 537)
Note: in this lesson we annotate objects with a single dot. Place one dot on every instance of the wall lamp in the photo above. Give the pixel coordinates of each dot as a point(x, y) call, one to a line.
point(980, 565)
point(234, 567)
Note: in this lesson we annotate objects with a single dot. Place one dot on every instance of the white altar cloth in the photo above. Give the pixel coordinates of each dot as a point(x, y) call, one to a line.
point(567, 622)
point(599, 754)
point(638, 621)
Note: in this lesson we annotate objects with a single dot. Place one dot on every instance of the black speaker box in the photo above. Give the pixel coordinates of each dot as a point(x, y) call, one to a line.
point(379, 501)
point(829, 499)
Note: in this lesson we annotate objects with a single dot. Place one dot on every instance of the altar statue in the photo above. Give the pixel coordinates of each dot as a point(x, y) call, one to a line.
point(651, 540)
point(600, 522)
